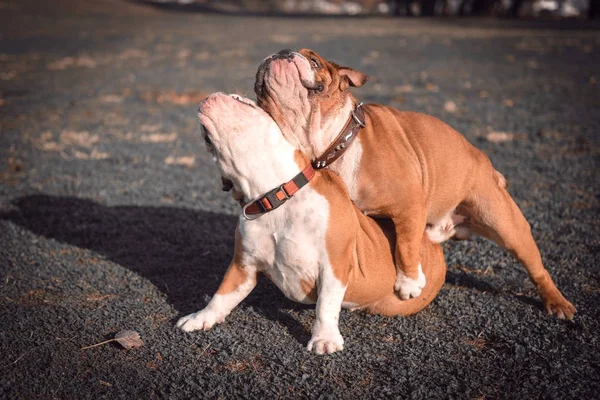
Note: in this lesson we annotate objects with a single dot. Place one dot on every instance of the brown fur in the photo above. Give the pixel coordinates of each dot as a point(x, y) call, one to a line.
point(360, 253)
point(236, 273)
point(415, 169)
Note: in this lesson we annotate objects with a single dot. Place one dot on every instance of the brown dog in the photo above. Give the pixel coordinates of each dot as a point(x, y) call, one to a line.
point(310, 240)
point(406, 166)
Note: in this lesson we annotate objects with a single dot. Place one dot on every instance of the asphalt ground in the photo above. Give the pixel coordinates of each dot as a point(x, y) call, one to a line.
point(112, 218)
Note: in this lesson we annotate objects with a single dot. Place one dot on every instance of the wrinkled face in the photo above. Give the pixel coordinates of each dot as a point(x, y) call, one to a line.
point(236, 132)
point(296, 88)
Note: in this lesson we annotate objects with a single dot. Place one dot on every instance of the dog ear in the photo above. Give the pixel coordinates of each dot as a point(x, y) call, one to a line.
point(354, 78)
point(227, 185)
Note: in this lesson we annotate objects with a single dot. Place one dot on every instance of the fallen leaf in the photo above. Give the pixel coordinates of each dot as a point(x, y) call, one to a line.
point(508, 103)
point(45, 142)
point(8, 76)
point(450, 106)
point(483, 94)
point(175, 98)
point(134, 53)
point(150, 128)
point(129, 339)
point(187, 161)
point(159, 137)
point(66, 62)
point(403, 89)
point(500, 137)
point(99, 297)
point(98, 155)
point(111, 98)
point(431, 87)
point(283, 39)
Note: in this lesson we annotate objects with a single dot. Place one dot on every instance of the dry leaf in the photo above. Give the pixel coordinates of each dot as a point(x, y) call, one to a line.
point(283, 39)
point(99, 155)
point(175, 98)
point(134, 53)
point(8, 76)
point(66, 62)
point(508, 103)
point(500, 137)
point(149, 128)
point(129, 339)
point(159, 137)
point(450, 106)
point(111, 98)
point(99, 297)
point(403, 89)
point(45, 142)
point(187, 161)
point(484, 94)
point(431, 87)
point(82, 138)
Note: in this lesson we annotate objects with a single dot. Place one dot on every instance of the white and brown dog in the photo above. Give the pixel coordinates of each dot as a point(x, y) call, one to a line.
point(300, 228)
point(406, 166)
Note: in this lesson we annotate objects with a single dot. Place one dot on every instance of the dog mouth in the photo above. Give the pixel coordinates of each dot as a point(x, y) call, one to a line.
point(263, 74)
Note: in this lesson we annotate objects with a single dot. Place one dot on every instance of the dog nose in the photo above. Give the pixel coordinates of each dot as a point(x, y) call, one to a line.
point(285, 54)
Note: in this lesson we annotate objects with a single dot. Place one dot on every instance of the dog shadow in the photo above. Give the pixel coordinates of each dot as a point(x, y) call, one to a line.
point(183, 252)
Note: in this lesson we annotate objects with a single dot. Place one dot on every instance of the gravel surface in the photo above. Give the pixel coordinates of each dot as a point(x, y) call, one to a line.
point(112, 218)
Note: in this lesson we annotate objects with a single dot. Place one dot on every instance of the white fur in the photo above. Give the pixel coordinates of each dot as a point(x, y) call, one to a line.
point(408, 287)
point(447, 227)
point(218, 308)
point(288, 243)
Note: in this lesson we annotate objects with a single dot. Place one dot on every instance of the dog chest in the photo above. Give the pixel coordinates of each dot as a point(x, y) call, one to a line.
point(289, 244)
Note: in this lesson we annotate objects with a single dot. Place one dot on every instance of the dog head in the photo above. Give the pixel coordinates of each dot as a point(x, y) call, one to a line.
point(303, 93)
point(245, 143)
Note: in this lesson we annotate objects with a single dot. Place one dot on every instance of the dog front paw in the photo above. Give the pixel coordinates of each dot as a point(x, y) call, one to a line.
point(326, 339)
point(202, 320)
point(408, 287)
point(560, 307)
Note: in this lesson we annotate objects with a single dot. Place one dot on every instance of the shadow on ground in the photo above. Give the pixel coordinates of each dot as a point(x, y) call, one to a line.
point(183, 252)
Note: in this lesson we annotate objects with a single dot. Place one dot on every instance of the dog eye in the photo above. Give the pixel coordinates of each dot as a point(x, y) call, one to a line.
point(315, 63)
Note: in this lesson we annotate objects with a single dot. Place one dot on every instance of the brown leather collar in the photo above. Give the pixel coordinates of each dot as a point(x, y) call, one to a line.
point(344, 139)
point(276, 197)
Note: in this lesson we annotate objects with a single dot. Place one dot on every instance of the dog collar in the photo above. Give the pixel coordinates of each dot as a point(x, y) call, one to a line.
point(344, 139)
point(276, 197)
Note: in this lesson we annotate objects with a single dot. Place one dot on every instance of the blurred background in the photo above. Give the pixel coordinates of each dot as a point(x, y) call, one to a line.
point(416, 8)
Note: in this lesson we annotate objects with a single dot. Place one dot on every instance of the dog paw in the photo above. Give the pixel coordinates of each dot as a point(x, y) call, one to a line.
point(408, 287)
point(202, 320)
point(560, 307)
point(326, 340)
